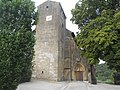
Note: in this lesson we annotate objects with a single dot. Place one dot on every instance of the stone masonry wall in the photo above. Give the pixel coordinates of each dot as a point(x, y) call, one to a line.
point(49, 42)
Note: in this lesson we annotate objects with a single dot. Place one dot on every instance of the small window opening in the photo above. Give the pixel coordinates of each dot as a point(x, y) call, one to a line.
point(42, 72)
point(46, 6)
point(62, 24)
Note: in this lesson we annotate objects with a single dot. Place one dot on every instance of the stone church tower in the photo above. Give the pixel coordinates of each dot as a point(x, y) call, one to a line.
point(56, 54)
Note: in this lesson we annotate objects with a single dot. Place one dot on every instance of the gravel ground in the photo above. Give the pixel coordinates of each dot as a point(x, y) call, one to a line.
point(74, 85)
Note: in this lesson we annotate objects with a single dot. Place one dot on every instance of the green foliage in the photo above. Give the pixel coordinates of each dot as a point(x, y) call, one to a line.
point(116, 77)
point(86, 10)
point(103, 74)
point(16, 42)
point(17, 13)
point(99, 36)
point(96, 39)
point(112, 56)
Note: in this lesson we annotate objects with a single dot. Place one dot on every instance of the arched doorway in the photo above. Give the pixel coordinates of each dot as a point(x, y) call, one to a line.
point(78, 70)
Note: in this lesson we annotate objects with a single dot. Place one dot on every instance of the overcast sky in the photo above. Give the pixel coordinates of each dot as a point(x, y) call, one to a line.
point(67, 5)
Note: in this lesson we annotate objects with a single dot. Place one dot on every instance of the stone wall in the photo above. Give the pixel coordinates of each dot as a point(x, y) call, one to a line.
point(46, 48)
point(72, 58)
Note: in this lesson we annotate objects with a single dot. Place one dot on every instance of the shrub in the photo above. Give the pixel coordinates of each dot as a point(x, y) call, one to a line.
point(103, 74)
point(116, 77)
point(9, 65)
point(16, 42)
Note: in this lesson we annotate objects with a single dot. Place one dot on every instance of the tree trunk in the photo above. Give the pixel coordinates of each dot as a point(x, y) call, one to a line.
point(93, 76)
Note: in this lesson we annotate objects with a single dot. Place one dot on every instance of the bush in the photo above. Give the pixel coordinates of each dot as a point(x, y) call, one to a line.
point(116, 77)
point(103, 74)
point(16, 53)
point(16, 42)
point(9, 65)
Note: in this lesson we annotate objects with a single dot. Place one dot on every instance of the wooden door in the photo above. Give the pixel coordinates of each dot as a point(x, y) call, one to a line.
point(79, 75)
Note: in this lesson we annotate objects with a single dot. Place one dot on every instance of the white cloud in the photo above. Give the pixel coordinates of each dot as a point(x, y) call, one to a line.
point(67, 5)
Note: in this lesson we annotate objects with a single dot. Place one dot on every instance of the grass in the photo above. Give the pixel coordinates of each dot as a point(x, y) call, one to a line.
point(108, 81)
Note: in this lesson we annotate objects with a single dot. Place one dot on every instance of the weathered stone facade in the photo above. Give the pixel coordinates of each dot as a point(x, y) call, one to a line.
point(56, 54)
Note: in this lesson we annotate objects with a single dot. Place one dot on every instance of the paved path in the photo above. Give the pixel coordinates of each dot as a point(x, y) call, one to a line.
point(75, 85)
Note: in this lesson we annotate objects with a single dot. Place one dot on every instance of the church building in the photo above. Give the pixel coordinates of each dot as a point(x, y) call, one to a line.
point(57, 57)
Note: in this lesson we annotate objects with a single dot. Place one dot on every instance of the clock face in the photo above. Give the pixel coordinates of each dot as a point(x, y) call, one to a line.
point(49, 18)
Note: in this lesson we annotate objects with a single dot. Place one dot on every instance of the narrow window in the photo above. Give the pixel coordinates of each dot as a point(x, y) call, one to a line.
point(62, 24)
point(46, 6)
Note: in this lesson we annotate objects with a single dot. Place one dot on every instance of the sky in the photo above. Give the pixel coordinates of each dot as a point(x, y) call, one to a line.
point(67, 5)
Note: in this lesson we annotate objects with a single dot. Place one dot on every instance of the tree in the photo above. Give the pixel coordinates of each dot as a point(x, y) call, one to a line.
point(98, 37)
point(16, 42)
point(113, 57)
point(103, 74)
